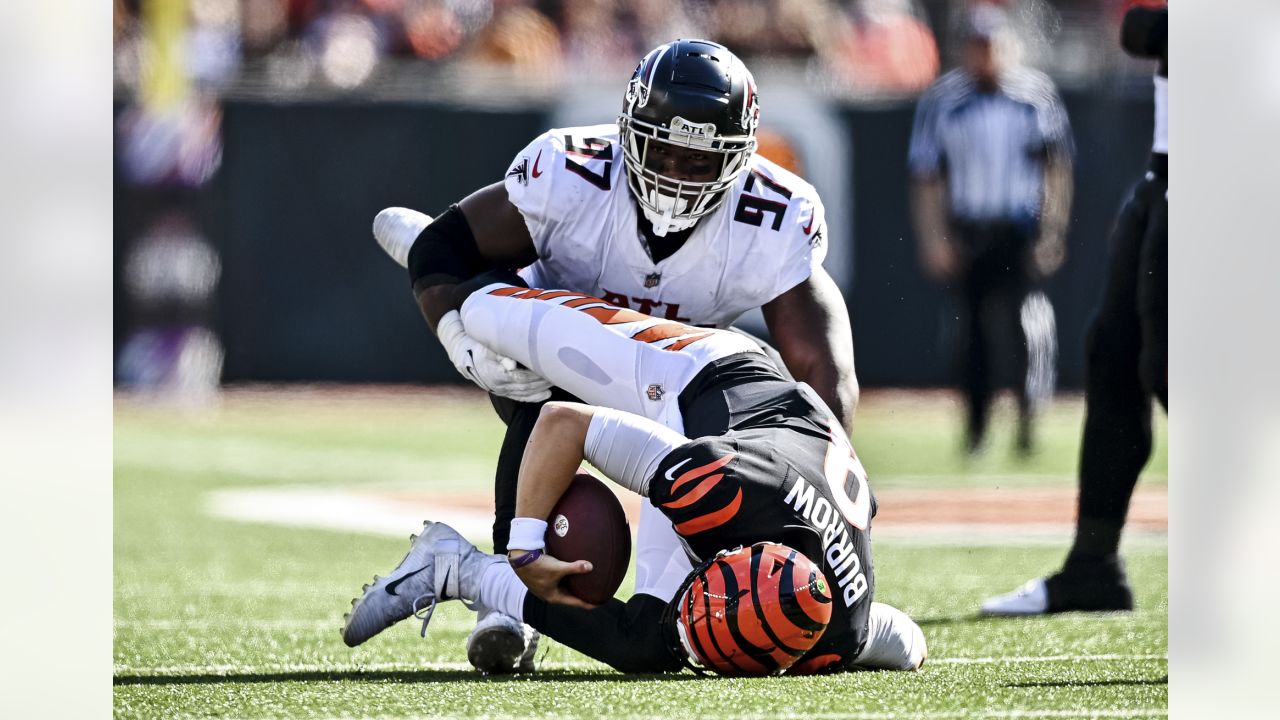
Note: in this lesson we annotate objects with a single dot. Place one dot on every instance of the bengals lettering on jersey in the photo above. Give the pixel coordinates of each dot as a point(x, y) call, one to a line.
point(571, 187)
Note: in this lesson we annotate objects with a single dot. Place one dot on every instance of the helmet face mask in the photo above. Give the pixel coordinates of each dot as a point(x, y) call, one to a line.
point(697, 97)
point(751, 611)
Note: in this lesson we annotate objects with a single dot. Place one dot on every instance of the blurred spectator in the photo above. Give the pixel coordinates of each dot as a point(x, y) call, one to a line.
point(870, 46)
point(990, 158)
point(522, 39)
point(653, 22)
point(169, 146)
point(432, 30)
point(883, 46)
point(592, 41)
point(776, 28)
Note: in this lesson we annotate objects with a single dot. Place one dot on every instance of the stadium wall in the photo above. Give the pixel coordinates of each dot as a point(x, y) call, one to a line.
point(306, 295)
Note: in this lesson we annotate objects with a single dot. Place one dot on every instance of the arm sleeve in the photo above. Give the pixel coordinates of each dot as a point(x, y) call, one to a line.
point(628, 448)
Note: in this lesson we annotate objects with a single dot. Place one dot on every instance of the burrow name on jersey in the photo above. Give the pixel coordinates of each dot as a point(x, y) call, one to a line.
point(836, 546)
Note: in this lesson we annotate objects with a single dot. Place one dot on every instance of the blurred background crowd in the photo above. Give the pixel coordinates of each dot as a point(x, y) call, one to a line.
point(855, 48)
point(256, 138)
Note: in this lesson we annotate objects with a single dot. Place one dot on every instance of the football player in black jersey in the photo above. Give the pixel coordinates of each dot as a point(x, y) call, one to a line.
point(734, 453)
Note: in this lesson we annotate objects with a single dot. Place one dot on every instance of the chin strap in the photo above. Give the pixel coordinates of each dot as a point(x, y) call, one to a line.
point(664, 218)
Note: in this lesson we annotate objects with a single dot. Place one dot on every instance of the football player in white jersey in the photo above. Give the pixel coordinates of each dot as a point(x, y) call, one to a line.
point(671, 213)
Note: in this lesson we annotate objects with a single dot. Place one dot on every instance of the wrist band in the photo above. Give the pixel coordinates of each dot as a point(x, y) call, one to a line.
point(525, 559)
point(527, 534)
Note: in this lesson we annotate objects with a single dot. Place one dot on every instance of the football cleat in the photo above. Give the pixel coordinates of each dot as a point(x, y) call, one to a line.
point(1081, 586)
point(501, 644)
point(396, 229)
point(440, 566)
point(1030, 599)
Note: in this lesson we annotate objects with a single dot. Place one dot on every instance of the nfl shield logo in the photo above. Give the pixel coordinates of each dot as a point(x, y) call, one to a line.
point(654, 392)
point(652, 279)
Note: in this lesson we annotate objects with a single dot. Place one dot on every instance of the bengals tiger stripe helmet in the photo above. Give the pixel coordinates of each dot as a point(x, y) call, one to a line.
point(751, 611)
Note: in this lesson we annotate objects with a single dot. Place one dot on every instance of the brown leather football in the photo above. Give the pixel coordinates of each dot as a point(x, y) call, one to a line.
point(588, 523)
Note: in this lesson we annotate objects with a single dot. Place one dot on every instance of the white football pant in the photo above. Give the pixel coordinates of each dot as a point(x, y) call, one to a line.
point(611, 357)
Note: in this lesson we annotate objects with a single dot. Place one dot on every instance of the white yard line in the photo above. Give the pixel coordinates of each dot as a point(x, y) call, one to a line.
point(1017, 659)
point(1087, 714)
point(342, 509)
point(981, 714)
point(227, 668)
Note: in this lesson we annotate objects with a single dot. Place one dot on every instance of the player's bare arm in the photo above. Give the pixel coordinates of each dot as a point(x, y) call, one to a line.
point(1050, 251)
point(810, 327)
point(497, 239)
point(929, 215)
point(551, 458)
point(483, 232)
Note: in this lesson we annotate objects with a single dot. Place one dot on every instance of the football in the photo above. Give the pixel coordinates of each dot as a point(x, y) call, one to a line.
point(588, 523)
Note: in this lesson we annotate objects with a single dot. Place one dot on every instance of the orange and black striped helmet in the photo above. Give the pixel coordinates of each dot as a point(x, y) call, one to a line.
point(751, 611)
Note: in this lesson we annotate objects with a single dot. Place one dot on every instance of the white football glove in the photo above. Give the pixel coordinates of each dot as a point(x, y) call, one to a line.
point(492, 372)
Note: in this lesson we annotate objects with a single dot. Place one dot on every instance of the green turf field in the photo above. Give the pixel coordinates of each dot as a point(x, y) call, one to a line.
point(215, 617)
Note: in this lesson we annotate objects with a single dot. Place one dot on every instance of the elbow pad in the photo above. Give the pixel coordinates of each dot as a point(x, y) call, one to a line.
point(445, 252)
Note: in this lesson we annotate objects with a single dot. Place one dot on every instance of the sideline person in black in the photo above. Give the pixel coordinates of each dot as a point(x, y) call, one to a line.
point(990, 160)
point(1128, 360)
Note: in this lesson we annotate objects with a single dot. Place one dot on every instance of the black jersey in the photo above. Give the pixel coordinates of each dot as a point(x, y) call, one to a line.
point(785, 472)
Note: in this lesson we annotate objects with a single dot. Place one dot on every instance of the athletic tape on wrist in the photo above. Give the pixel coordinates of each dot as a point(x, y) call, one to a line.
point(525, 559)
point(527, 534)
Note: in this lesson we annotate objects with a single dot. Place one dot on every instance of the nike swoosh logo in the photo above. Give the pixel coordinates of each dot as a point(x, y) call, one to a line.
point(536, 172)
point(671, 474)
point(391, 586)
point(809, 227)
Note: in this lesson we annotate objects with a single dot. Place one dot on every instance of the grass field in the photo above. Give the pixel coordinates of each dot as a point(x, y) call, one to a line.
point(220, 618)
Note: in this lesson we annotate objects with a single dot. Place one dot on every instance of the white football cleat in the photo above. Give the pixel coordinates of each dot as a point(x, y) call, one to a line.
point(1030, 599)
point(396, 228)
point(501, 644)
point(440, 566)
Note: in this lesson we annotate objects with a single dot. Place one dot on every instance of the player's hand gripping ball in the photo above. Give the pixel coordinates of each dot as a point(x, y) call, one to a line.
point(588, 524)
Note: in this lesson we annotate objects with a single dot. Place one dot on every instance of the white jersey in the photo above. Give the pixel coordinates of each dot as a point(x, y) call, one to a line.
point(571, 187)
point(636, 363)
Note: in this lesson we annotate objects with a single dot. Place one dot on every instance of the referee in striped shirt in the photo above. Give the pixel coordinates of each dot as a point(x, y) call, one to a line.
point(990, 159)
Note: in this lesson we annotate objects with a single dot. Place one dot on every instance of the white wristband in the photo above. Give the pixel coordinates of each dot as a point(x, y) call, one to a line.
point(527, 534)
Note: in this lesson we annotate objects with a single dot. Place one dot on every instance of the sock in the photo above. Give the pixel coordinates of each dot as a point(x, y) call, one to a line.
point(894, 641)
point(501, 590)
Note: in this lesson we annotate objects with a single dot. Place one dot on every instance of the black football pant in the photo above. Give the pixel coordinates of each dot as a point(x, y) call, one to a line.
point(1127, 352)
point(995, 283)
point(629, 636)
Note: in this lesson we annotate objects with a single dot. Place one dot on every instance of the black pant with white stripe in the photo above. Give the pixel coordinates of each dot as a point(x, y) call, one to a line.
point(994, 284)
